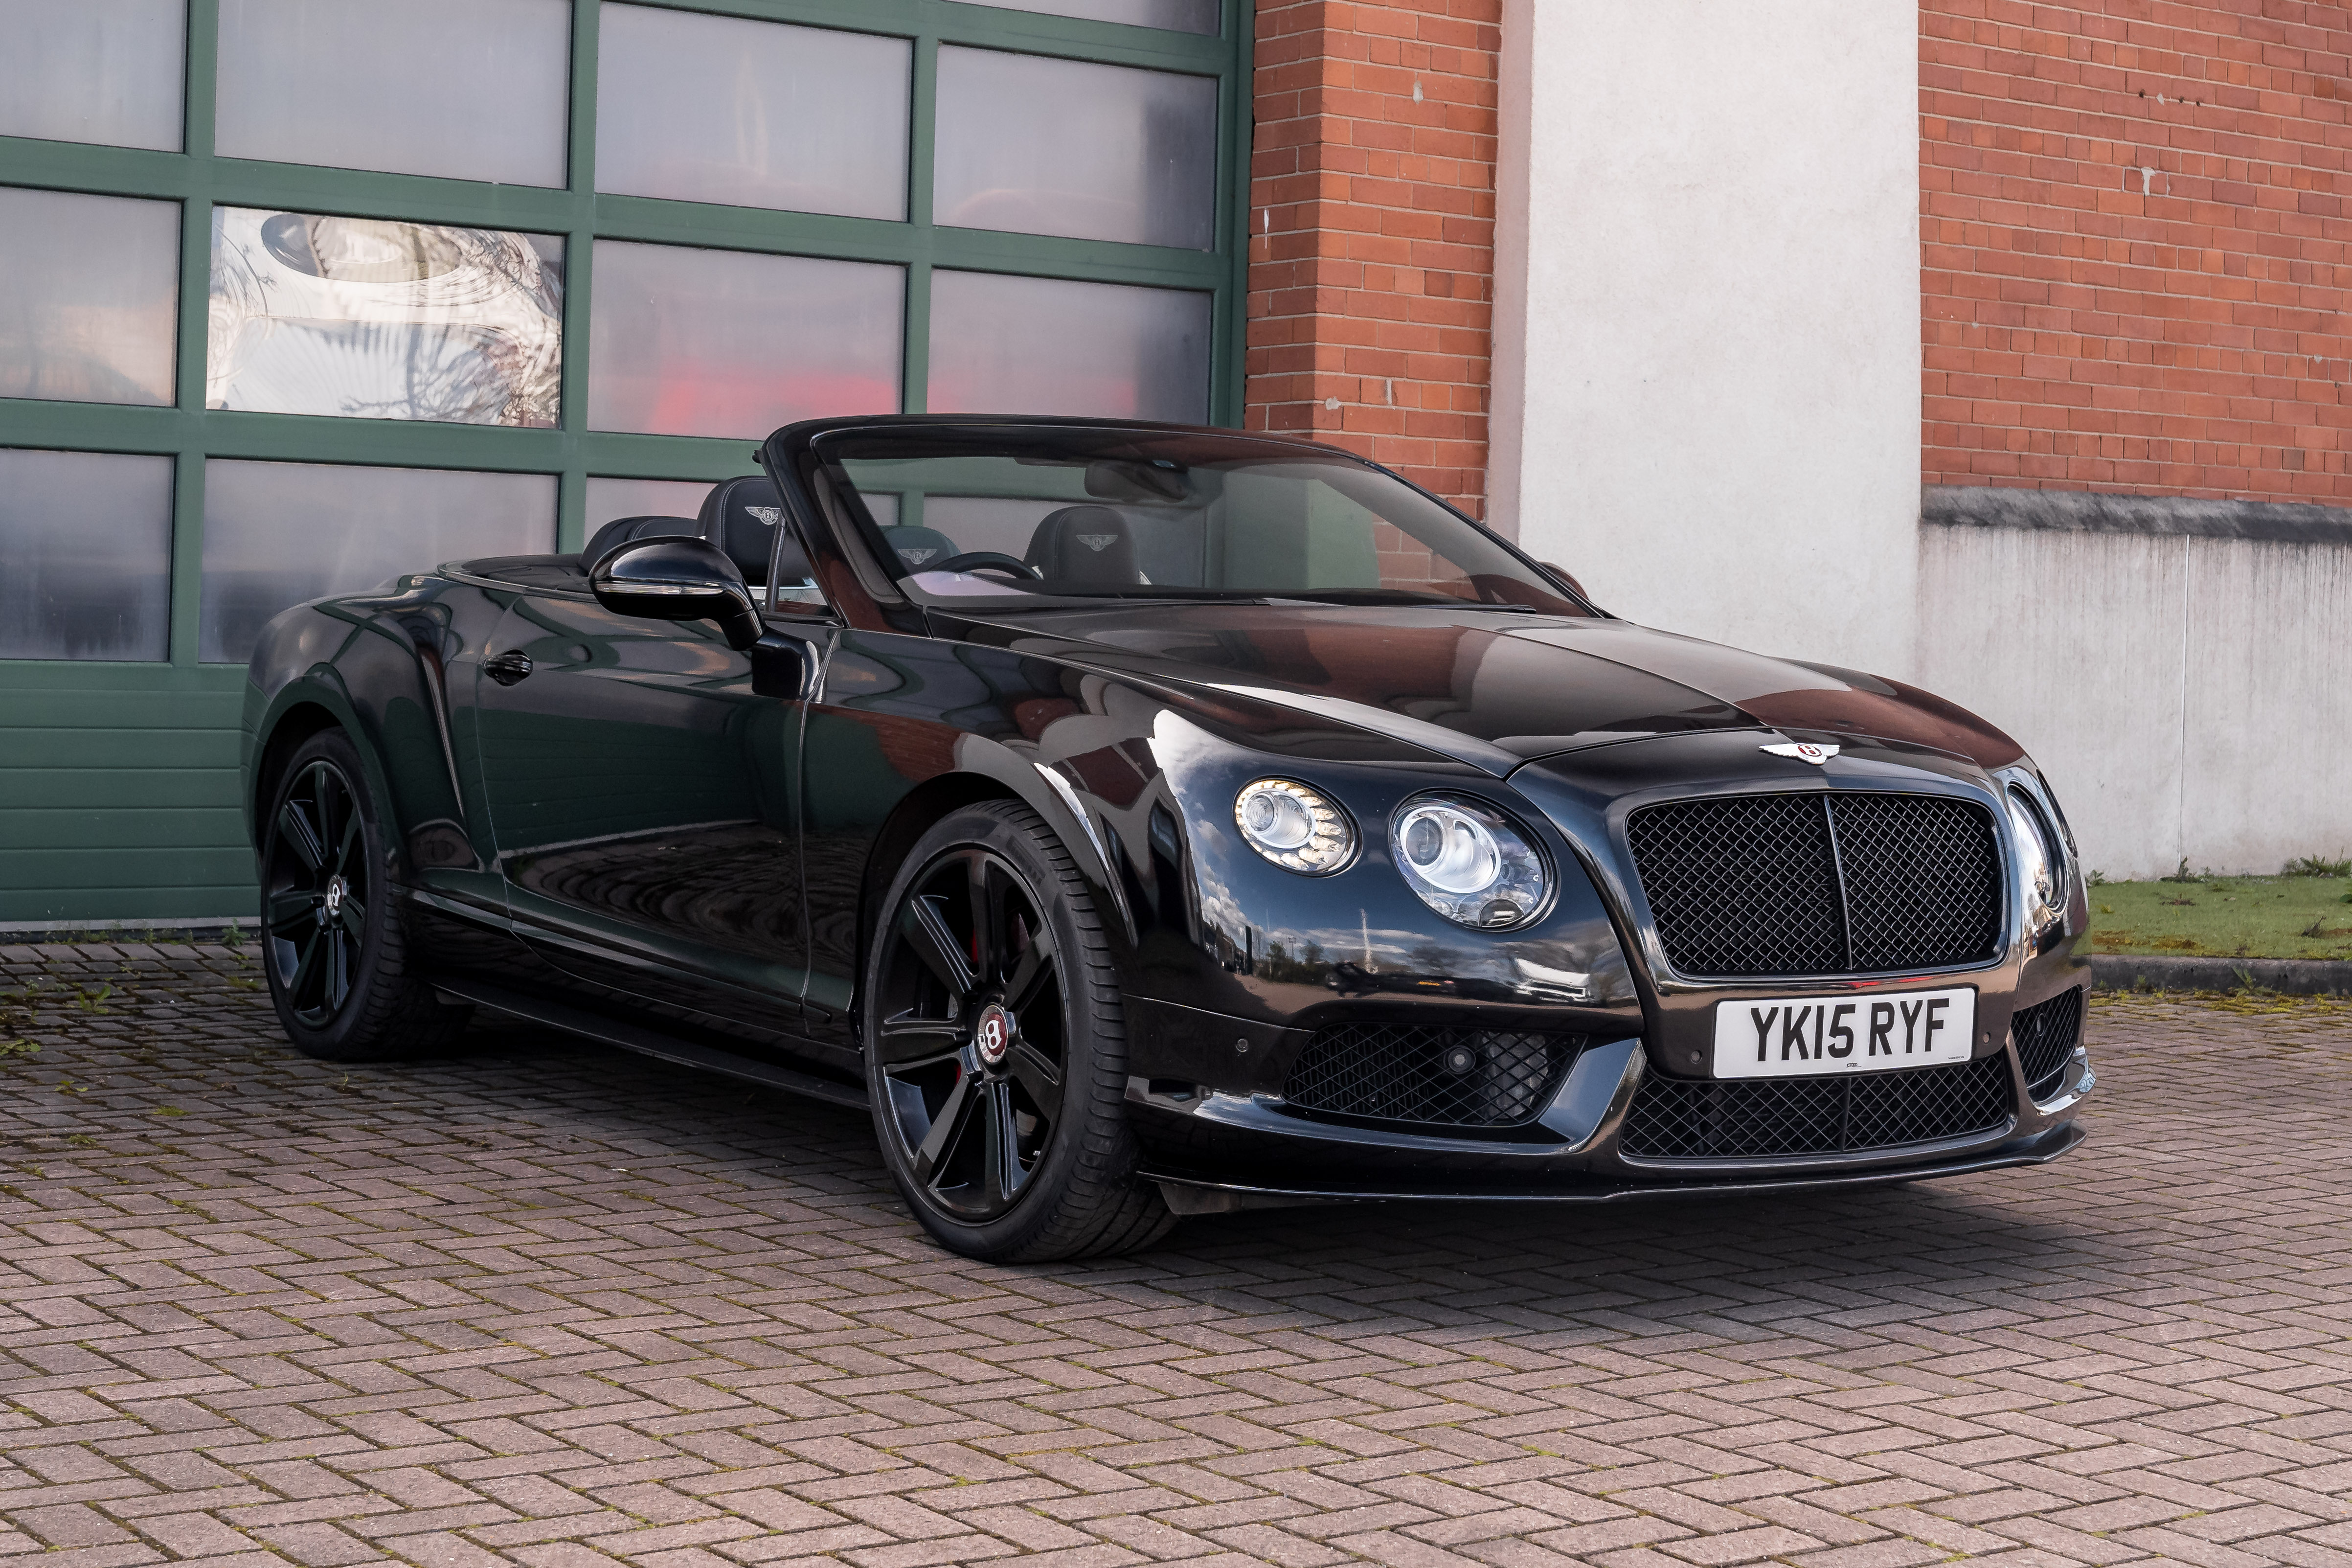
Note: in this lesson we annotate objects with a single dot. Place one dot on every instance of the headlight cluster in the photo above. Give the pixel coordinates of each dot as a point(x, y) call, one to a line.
point(1293, 827)
point(1463, 858)
point(1468, 861)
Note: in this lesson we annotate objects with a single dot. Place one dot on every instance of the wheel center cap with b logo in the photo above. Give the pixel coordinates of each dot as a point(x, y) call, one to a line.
point(332, 904)
point(992, 1034)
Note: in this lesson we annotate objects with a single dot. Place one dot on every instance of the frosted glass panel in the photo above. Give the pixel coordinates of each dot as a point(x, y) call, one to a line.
point(1001, 344)
point(93, 70)
point(1181, 16)
point(610, 498)
point(278, 534)
point(1090, 151)
point(468, 89)
point(374, 320)
point(88, 297)
point(724, 342)
point(86, 540)
point(758, 115)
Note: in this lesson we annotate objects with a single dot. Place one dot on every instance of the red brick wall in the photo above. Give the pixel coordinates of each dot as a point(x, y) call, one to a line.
point(1373, 231)
point(2134, 246)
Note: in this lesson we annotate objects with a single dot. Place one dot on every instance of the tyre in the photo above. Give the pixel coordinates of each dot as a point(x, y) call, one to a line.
point(995, 1051)
point(331, 939)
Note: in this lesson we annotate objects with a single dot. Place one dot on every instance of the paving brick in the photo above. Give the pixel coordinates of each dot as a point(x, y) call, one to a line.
point(536, 1303)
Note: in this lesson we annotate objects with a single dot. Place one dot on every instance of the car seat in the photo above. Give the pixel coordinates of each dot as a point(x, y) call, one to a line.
point(1084, 547)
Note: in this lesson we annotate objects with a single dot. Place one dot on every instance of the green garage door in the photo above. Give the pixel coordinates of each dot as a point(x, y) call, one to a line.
point(297, 294)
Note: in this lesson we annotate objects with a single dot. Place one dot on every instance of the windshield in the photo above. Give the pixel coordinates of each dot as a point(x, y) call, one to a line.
point(1009, 513)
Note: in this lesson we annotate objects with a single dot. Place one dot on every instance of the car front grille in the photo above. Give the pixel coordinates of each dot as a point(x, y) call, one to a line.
point(1445, 1076)
point(2047, 1034)
point(1679, 1119)
point(1836, 883)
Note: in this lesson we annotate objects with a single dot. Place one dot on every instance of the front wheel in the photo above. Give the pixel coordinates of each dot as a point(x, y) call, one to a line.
point(995, 1050)
point(331, 940)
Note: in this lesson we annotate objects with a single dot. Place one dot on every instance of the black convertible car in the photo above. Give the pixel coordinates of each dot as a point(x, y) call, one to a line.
point(1146, 821)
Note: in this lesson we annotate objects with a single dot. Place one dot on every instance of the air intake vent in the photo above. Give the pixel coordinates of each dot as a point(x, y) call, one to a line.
point(1442, 1076)
point(1751, 1119)
point(1849, 883)
point(2046, 1034)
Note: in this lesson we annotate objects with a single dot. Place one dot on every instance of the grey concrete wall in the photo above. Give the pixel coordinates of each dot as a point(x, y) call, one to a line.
point(1706, 314)
point(2182, 670)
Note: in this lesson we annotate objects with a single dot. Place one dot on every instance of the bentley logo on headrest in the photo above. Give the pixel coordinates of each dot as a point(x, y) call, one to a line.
point(916, 557)
point(771, 515)
point(1096, 543)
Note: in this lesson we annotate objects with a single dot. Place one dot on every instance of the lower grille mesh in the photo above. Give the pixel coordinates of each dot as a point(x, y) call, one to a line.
point(1443, 1077)
point(2047, 1034)
point(1678, 1119)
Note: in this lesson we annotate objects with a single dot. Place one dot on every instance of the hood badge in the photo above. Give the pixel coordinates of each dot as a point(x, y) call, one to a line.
point(1803, 750)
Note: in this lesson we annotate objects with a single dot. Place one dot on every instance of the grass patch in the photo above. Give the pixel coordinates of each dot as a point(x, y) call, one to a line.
point(2225, 917)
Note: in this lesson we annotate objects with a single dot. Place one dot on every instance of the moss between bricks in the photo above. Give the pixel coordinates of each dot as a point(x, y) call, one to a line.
point(2225, 917)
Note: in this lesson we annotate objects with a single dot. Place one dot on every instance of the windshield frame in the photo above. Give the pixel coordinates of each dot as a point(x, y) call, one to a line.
point(817, 444)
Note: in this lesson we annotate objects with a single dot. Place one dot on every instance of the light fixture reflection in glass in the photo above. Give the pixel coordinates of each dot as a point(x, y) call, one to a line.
point(374, 319)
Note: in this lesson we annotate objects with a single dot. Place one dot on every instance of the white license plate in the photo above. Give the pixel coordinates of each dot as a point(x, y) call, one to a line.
point(1805, 1037)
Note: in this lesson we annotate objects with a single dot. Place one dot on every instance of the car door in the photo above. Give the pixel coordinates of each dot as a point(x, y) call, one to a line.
point(644, 796)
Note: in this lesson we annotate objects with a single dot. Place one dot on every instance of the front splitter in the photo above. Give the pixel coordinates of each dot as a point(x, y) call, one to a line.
point(1199, 1196)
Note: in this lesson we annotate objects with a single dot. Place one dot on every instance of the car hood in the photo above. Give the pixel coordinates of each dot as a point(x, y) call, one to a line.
point(1492, 688)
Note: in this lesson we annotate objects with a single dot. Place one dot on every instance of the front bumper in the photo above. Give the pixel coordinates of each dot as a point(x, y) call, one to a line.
point(1214, 1148)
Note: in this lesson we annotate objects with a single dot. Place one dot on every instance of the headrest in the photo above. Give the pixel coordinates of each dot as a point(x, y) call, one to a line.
point(920, 548)
point(1084, 547)
point(621, 530)
point(742, 517)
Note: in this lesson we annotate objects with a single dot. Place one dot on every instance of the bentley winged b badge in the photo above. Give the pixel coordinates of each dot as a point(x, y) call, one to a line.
point(1803, 750)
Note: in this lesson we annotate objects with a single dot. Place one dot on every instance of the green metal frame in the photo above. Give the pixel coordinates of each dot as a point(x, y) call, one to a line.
point(66, 821)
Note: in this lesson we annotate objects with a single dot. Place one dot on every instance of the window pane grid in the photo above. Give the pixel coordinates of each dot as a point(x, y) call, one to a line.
point(576, 218)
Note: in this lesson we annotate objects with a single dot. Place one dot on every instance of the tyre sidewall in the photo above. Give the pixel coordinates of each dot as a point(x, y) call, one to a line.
point(1090, 1049)
point(333, 1041)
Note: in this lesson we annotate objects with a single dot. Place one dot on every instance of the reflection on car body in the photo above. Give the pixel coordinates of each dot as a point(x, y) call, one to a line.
point(1143, 821)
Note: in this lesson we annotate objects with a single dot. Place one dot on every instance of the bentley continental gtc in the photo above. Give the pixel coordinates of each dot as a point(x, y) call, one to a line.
point(1141, 821)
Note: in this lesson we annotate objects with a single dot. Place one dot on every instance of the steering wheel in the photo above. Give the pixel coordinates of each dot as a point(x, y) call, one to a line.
point(988, 561)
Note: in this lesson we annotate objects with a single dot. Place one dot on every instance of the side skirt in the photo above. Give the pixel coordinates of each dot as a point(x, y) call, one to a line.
point(651, 1042)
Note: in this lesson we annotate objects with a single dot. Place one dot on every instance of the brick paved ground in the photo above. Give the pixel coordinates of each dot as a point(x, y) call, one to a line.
point(557, 1305)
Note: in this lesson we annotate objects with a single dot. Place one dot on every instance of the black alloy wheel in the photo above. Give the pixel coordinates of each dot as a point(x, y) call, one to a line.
point(995, 1047)
point(332, 946)
point(316, 892)
point(971, 1039)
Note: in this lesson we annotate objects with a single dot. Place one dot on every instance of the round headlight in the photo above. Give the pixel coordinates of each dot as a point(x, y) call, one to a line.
point(1468, 862)
point(1293, 827)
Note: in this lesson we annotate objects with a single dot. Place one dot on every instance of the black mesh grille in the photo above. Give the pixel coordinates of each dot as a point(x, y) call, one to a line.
point(1749, 884)
point(1449, 1077)
point(2047, 1034)
point(1676, 1118)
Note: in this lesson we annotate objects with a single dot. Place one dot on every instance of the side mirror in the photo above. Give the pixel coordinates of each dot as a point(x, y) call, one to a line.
point(1564, 576)
point(668, 578)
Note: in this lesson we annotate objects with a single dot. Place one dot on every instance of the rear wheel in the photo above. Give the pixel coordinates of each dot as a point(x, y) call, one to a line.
point(995, 1049)
point(331, 942)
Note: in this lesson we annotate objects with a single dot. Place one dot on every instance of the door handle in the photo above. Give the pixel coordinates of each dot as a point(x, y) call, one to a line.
point(506, 669)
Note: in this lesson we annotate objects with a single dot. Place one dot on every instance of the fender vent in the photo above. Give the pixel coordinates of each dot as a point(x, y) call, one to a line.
point(1440, 1077)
